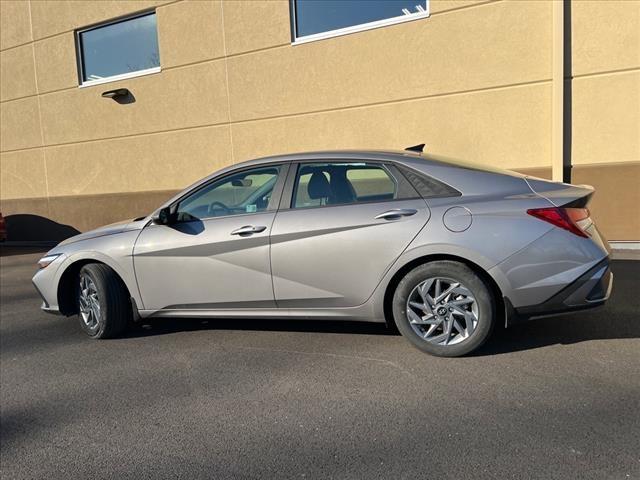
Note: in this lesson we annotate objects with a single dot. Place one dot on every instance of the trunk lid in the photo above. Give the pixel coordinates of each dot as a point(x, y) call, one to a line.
point(561, 194)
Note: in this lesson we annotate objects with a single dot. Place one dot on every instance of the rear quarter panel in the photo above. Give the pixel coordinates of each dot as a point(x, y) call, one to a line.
point(499, 228)
point(529, 259)
point(499, 225)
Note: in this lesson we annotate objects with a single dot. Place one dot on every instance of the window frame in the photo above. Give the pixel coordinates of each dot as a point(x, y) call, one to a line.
point(113, 78)
point(291, 185)
point(272, 207)
point(296, 40)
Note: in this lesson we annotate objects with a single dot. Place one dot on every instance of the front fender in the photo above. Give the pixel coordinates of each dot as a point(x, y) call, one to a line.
point(112, 250)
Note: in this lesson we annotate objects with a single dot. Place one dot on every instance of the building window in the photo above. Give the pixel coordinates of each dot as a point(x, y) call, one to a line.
point(120, 49)
point(317, 19)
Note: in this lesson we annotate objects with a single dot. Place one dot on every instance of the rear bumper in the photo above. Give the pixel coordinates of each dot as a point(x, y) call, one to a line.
point(590, 290)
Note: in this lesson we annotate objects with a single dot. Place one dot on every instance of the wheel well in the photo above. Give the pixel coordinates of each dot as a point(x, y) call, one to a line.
point(68, 284)
point(399, 275)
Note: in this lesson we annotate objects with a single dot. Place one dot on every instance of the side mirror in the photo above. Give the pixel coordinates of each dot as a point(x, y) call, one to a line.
point(164, 216)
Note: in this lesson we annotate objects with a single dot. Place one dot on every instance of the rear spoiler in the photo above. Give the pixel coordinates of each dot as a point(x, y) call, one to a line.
point(561, 194)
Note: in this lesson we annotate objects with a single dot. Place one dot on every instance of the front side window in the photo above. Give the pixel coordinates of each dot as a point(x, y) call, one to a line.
point(314, 19)
point(240, 193)
point(320, 184)
point(119, 49)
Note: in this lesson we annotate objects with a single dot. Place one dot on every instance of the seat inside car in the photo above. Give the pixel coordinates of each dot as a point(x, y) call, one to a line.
point(318, 187)
point(341, 189)
point(335, 191)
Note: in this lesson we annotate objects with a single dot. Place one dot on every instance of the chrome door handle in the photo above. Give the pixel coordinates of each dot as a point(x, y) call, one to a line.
point(396, 213)
point(247, 229)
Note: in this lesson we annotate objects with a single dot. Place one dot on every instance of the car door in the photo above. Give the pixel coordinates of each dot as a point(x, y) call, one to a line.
point(214, 254)
point(342, 226)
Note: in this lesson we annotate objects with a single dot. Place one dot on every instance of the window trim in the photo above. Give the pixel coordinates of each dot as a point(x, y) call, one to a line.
point(295, 40)
point(113, 78)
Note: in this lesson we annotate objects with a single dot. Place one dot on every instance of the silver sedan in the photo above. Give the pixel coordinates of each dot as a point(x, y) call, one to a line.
point(443, 249)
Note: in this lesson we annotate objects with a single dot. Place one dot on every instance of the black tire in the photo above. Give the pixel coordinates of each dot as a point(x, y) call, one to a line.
point(113, 299)
point(486, 308)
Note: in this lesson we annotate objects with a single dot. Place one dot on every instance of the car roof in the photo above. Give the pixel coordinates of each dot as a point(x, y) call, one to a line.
point(388, 155)
point(408, 158)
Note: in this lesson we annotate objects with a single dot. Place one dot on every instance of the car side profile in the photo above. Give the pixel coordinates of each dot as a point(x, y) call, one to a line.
point(444, 249)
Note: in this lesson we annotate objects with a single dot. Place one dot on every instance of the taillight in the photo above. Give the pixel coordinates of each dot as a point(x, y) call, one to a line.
point(575, 220)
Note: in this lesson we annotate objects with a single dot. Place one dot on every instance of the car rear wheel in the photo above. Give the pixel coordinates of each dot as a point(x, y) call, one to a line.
point(104, 309)
point(444, 308)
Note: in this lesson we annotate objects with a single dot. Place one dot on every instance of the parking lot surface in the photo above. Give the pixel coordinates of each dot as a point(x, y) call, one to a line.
point(553, 398)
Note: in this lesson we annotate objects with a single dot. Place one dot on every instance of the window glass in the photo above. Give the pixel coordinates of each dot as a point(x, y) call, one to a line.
point(321, 184)
point(369, 181)
point(429, 187)
point(118, 48)
point(240, 193)
point(318, 16)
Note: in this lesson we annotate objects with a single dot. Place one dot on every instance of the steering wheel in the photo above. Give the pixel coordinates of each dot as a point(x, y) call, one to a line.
point(220, 205)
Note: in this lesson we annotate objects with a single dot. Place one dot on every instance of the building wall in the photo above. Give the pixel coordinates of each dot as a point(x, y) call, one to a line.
point(472, 81)
point(605, 90)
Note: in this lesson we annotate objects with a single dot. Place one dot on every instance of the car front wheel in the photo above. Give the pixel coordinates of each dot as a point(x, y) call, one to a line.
point(444, 308)
point(104, 309)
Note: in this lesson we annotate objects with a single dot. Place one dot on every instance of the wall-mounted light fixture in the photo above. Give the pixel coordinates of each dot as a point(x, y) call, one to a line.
point(117, 93)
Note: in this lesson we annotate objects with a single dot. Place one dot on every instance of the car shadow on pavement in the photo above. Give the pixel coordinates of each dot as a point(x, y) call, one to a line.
point(563, 330)
point(164, 326)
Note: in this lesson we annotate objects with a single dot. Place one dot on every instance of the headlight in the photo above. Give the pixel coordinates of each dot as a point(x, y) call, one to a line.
point(45, 261)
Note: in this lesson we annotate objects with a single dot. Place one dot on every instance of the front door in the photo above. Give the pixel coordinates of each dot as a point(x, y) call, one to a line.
point(345, 226)
point(216, 253)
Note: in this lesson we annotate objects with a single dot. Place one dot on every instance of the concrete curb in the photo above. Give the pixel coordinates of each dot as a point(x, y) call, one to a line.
point(625, 254)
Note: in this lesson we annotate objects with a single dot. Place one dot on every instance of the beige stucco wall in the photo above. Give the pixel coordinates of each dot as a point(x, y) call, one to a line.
point(473, 80)
point(605, 136)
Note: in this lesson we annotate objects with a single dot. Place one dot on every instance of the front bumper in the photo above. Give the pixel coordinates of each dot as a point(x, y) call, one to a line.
point(45, 281)
point(45, 307)
point(590, 290)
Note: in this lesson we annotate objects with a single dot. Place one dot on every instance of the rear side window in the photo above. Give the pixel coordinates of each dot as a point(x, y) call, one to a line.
point(320, 184)
point(371, 181)
point(428, 187)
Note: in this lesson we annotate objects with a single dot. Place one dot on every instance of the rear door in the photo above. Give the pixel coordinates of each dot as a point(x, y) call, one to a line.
point(342, 225)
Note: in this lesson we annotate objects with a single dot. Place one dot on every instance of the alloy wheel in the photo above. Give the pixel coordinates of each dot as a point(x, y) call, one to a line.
point(89, 302)
point(442, 311)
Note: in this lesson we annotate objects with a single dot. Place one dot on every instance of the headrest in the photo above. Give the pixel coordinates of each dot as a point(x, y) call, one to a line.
point(318, 186)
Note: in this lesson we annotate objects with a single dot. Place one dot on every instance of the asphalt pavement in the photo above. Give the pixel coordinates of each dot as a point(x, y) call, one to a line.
point(556, 398)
